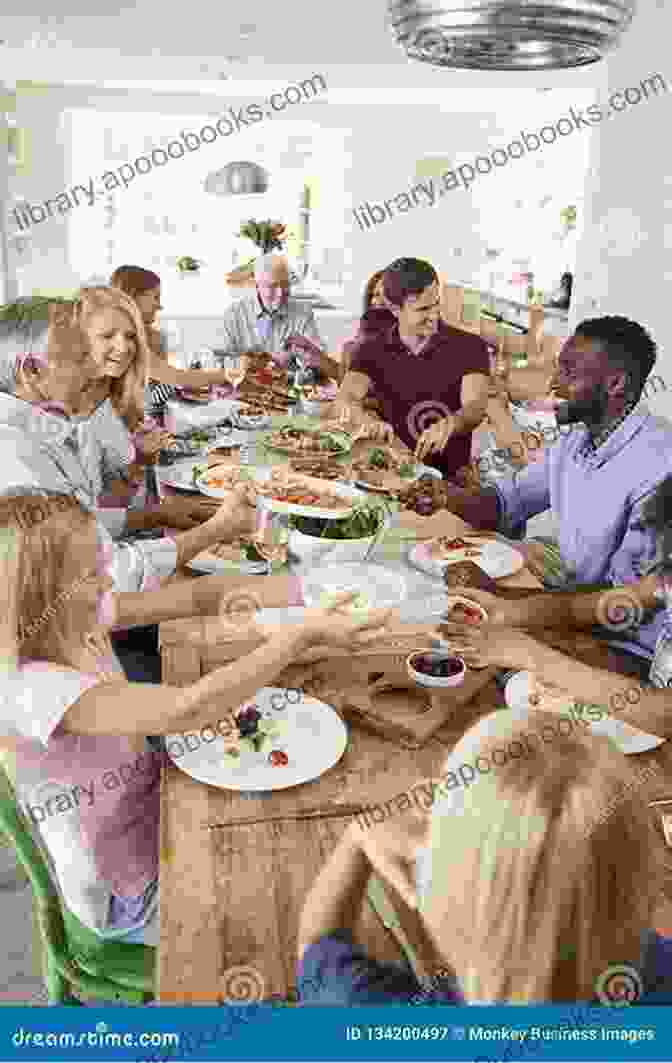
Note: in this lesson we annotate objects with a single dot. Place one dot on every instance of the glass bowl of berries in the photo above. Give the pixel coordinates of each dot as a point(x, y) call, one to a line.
point(435, 668)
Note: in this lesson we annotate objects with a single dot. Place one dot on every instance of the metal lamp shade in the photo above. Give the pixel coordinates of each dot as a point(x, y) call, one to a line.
point(238, 179)
point(519, 35)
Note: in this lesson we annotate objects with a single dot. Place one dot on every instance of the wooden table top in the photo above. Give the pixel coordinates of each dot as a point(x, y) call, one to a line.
point(235, 869)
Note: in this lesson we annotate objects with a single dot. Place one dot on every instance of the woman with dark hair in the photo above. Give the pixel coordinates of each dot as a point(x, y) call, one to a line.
point(375, 313)
point(144, 287)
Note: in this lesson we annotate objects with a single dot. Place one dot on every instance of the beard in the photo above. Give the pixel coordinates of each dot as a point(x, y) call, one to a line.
point(587, 411)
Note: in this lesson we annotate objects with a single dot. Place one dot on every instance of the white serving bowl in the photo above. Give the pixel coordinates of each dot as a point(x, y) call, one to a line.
point(309, 548)
point(383, 587)
point(435, 680)
point(313, 547)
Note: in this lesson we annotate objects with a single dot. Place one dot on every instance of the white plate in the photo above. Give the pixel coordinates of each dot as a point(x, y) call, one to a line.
point(316, 739)
point(252, 422)
point(384, 587)
point(334, 487)
point(345, 436)
point(230, 439)
point(179, 476)
point(209, 564)
point(420, 470)
point(219, 492)
point(497, 559)
point(628, 739)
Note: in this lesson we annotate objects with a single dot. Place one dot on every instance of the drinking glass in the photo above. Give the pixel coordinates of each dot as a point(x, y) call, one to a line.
point(271, 536)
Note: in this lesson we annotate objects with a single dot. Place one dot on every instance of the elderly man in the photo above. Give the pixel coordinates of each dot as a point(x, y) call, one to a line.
point(612, 455)
point(432, 379)
point(268, 318)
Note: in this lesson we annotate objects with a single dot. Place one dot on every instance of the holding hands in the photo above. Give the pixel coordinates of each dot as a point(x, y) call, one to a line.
point(497, 642)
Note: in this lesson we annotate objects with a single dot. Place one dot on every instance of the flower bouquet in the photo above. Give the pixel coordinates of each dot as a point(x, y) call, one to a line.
point(267, 235)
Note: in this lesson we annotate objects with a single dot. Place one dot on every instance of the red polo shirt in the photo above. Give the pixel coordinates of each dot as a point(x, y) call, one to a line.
point(416, 390)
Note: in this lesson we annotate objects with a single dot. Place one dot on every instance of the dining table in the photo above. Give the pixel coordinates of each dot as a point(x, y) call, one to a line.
point(236, 865)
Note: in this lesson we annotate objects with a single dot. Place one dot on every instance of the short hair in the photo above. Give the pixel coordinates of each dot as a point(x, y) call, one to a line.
point(657, 510)
point(134, 280)
point(627, 345)
point(20, 341)
point(407, 276)
point(371, 286)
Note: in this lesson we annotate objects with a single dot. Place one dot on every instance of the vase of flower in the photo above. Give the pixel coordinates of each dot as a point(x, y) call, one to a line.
point(266, 235)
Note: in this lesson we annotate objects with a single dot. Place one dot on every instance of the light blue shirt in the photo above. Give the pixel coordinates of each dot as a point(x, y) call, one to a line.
point(597, 499)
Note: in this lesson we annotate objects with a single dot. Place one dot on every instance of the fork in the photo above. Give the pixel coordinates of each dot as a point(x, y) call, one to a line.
point(376, 541)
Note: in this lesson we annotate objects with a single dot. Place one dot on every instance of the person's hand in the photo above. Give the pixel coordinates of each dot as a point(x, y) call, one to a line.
point(467, 478)
point(238, 514)
point(149, 444)
point(391, 849)
point(184, 513)
point(337, 626)
point(435, 438)
point(487, 645)
point(376, 431)
point(501, 613)
point(351, 418)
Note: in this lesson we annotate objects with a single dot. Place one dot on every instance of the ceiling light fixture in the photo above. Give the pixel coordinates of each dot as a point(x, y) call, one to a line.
point(237, 179)
point(508, 34)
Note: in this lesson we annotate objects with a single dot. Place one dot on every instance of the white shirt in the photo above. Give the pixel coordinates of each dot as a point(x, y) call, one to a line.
point(33, 702)
point(43, 452)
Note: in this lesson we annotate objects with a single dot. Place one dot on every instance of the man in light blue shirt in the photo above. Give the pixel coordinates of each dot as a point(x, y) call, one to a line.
point(612, 455)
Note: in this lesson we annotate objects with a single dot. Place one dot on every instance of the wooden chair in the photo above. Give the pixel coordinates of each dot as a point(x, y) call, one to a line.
point(75, 959)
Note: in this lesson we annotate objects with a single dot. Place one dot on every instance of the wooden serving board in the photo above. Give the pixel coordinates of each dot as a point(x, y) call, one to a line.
point(375, 690)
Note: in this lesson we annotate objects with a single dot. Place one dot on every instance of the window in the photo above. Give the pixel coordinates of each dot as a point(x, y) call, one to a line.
point(165, 213)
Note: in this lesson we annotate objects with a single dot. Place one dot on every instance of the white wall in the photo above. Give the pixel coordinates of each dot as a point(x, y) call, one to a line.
point(369, 151)
point(625, 250)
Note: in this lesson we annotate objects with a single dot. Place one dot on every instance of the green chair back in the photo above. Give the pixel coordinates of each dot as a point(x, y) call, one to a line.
point(75, 959)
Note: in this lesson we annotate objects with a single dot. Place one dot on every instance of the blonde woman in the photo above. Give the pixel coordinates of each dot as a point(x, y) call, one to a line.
point(88, 359)
point(536, 872)
point(72, 722)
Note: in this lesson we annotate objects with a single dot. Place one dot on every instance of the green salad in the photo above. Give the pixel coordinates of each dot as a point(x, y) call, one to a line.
point(378, 459)
point(363, 522)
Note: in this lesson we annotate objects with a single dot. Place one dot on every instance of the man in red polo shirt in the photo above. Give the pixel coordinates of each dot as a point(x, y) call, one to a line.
point(432, 379)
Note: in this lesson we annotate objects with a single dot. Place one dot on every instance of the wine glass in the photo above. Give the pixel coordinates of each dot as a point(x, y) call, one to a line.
point(271, 536)
point(235, 369)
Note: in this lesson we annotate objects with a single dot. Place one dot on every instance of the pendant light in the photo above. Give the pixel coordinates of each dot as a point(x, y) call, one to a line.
point(501, 35)
point(237, 179)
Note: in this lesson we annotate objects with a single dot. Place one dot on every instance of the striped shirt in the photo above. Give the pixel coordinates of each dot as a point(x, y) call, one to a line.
point(242, 332)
